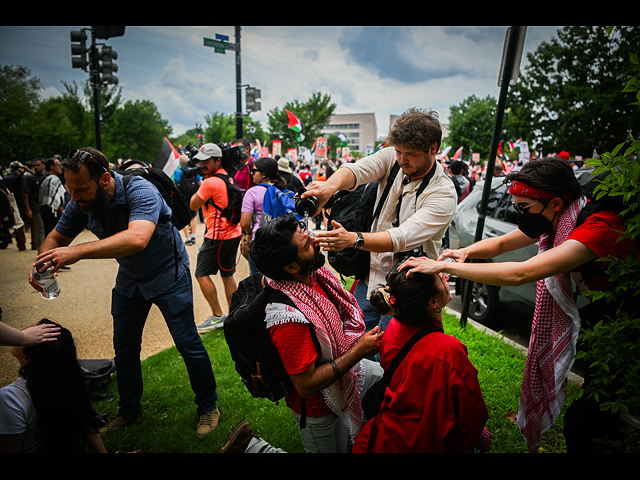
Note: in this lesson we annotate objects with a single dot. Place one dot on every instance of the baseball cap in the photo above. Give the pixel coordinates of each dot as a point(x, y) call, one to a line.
point(208, 150)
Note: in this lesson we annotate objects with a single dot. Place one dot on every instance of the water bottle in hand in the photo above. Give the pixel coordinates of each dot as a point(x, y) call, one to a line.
point(48, 282)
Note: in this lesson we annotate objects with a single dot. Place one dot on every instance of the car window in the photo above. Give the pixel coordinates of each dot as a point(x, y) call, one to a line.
point(493, 203)
point(499, 205)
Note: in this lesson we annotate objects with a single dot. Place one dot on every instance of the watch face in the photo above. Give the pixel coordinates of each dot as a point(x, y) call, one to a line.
point(360, 241)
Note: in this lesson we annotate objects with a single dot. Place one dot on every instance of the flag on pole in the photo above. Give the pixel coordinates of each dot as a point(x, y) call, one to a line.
point(168, 159)
point(296, 125)
point(458, 154)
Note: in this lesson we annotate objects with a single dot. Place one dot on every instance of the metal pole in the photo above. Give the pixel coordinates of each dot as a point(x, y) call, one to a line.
point(95, 80)
point(238, 87)
point(514, 33)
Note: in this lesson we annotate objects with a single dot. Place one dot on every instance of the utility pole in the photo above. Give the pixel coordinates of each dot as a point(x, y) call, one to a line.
point(511, 55)
point(239, 133)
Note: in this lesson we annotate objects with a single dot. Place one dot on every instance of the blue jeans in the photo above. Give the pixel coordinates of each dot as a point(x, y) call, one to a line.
point(129, 318)
point(371, 315)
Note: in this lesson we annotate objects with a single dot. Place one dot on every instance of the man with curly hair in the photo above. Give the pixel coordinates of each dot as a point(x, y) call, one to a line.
point(415, 215)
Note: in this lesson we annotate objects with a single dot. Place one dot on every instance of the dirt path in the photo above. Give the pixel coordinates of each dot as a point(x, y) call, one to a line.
point(84, 304)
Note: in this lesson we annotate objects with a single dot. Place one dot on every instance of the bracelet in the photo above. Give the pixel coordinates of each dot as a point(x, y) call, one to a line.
point(336, 370)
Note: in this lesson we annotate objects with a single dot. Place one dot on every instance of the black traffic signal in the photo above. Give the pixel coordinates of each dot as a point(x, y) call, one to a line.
point(79, 49)
point(107, 66)
point(253, 100)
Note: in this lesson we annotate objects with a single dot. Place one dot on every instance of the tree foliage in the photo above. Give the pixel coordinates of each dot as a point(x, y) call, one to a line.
point(568, 97)
point(471, 124)
point(614, 344)
point(314, 114)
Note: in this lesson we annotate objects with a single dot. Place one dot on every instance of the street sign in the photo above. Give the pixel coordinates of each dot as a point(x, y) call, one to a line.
point(220, 46)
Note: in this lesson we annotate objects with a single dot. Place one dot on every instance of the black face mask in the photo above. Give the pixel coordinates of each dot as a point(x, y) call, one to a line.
point(533, 225)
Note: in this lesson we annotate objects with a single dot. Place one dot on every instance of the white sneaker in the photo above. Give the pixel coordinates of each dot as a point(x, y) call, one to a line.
point(211, 323)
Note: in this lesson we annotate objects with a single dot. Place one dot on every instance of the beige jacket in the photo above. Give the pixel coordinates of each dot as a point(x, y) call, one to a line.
point(421, 223)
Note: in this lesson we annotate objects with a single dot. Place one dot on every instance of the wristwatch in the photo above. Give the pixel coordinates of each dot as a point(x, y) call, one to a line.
point(360, 242)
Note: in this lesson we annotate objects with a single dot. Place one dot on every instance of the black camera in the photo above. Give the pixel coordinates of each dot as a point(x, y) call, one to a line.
point(232, 159)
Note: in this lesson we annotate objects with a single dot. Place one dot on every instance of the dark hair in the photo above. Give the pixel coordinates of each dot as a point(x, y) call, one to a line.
point(417, 128)
point(57, 389)
point(96, 169)
point(412, 296)
point(272, 248)
point(455, 167)
point(551, 174)
point(49, 163)
point(269, 167)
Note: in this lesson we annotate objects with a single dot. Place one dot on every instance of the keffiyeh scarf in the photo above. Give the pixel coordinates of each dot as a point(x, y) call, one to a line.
point(338, 323)
point(552, 347)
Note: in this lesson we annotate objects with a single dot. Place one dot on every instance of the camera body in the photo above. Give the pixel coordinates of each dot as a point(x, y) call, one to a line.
point(232, 159)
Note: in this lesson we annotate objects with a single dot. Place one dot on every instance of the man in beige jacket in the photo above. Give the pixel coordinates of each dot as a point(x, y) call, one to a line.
point(417, 223)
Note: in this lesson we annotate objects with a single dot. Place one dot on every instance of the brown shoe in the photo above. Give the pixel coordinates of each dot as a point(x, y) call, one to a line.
point(239, 438)
point(208, 423)
point(116, 423)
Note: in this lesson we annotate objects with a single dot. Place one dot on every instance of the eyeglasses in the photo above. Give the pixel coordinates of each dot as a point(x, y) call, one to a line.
point(84, 156)
point(520, 208)
point(254, 170)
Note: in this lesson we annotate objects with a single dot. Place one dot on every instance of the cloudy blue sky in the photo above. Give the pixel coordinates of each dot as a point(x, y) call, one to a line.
point(384, 70)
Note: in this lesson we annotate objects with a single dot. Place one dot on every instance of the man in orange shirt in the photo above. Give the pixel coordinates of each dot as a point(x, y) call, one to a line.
point(220, 246)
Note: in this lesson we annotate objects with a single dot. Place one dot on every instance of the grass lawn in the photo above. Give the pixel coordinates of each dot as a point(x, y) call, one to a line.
point(168, 419)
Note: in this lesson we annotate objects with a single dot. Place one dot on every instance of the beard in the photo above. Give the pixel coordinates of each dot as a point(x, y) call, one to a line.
point(309, 266)
point(98, 203)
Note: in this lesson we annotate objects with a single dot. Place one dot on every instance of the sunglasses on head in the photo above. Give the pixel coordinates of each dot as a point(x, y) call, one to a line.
point(84, 157)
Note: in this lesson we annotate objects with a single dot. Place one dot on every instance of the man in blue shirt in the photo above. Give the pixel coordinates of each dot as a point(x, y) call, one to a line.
point(135, 228)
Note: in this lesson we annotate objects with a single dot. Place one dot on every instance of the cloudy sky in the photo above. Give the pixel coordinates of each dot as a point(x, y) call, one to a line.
point(384, 70)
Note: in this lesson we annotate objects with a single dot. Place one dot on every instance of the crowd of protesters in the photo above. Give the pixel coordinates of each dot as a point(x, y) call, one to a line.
point(356, 334)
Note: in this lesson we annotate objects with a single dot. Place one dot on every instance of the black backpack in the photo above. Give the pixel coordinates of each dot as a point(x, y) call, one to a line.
point(233, 212)
point(97, 374)
point(188, 186)
point(180, 209)
point(354, 210)
point(256, 359)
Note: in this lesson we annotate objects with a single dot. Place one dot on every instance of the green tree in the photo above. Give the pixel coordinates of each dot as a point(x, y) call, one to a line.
point(135, 131)
point(471, 125)
point(19, 99)
point(615, 342)
point(568, 97)
point(314, 115)
point(221, 128)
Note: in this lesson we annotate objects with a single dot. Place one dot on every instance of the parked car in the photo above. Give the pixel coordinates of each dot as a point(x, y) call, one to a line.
point(486, 300)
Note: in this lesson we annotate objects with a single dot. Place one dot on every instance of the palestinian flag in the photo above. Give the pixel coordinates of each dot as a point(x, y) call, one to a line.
point(168, 159)
point(296, 125)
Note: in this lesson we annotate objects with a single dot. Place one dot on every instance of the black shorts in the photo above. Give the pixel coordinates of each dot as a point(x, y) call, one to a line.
point(217, 256)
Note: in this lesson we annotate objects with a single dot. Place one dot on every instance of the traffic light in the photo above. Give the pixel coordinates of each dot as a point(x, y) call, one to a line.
point(79, 49)
point(107, 66)
point(253, 100)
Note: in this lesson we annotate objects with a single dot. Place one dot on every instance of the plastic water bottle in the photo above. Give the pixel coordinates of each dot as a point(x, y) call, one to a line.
point(48, 282)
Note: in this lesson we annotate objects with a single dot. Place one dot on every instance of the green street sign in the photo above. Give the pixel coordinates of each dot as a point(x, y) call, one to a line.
point(219, 46)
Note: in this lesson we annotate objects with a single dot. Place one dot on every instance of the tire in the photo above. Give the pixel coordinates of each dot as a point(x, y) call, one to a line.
point(484, 304)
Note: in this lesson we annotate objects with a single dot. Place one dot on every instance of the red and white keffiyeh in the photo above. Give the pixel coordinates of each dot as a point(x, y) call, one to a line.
point(339, 323)
point(552, 347)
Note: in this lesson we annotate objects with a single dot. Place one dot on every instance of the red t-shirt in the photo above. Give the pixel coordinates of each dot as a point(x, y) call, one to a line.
point(600, 233)
point(298, 352)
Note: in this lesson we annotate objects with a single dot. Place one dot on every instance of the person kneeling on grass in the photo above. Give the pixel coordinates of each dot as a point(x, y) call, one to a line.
point(434, 403)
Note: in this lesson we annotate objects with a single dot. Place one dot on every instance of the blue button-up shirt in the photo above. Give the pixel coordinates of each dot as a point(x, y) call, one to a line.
point(152, 270)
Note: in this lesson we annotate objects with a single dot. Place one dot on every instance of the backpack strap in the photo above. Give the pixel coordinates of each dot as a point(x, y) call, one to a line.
point(277, 296)
point(390, 179)
point(421, 188)
point(125, 182)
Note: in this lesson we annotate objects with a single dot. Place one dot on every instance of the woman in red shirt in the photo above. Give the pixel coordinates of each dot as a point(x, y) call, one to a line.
point(549, 199)
point(434, 403)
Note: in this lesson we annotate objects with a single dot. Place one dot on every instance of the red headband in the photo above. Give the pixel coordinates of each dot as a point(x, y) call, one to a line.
point(520, 189)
